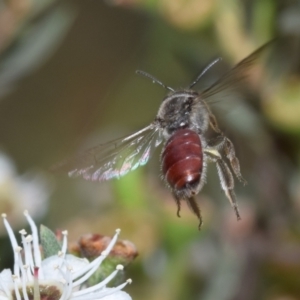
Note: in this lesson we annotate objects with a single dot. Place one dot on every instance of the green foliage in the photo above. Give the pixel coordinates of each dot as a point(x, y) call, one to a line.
point(49, 242)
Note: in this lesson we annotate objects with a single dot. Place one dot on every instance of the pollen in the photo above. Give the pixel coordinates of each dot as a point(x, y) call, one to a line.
point(47, 292)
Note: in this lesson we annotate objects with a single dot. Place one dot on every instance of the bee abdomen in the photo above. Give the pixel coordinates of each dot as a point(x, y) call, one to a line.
point(182, 159)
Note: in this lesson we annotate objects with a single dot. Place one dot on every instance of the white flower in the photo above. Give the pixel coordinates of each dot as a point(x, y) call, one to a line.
point(20, 191)
point(59, 277)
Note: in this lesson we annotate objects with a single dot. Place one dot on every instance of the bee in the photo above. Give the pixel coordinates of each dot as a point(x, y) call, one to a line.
point(181, 125)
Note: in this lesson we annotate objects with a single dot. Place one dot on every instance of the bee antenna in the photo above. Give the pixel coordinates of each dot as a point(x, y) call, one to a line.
point(205, 70)
point(154, 80)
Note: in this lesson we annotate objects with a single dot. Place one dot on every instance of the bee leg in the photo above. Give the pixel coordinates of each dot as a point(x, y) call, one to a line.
point(177, 200)
point(195, 209)
point(227, 184)
point(212, 119)
point(222, 142)
point(234, 162)
point(228, 146)
point(226, 178)
point(213, 123)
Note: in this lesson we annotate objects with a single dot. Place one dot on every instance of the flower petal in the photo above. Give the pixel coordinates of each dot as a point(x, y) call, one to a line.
point(119, 295)
point(51, 265)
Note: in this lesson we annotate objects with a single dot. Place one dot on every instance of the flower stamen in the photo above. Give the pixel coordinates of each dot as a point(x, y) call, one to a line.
point(65, 242)
point(28, 255)
point(16, 289)
point(36, 288)
point(101, 284)
point(93, 266)
point(13, 242)
point(35, 242)
point(53, 277)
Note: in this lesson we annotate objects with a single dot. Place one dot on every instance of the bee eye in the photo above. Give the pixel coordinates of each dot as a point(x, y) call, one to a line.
point(187, 103)
point(188, 100)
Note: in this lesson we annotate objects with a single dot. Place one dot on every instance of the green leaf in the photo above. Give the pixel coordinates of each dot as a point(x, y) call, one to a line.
point(49, 242)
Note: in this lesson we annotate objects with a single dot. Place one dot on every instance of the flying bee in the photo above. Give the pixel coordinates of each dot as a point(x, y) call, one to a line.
point(181, 125)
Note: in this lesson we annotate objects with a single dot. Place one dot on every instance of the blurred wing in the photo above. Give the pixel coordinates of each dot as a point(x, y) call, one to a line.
point(236, 75)
point(116, 158)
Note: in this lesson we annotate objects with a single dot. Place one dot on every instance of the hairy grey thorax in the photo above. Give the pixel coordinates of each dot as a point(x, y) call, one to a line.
point(180, 110)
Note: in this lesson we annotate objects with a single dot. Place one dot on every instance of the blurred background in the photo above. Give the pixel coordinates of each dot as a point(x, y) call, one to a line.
point(68, 82)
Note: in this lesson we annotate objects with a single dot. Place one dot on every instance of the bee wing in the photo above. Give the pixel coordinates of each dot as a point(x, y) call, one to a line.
point(236, 75)
point(116, 158)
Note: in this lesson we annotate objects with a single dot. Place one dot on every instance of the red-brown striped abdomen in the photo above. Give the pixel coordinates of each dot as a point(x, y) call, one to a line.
point(182, 159)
